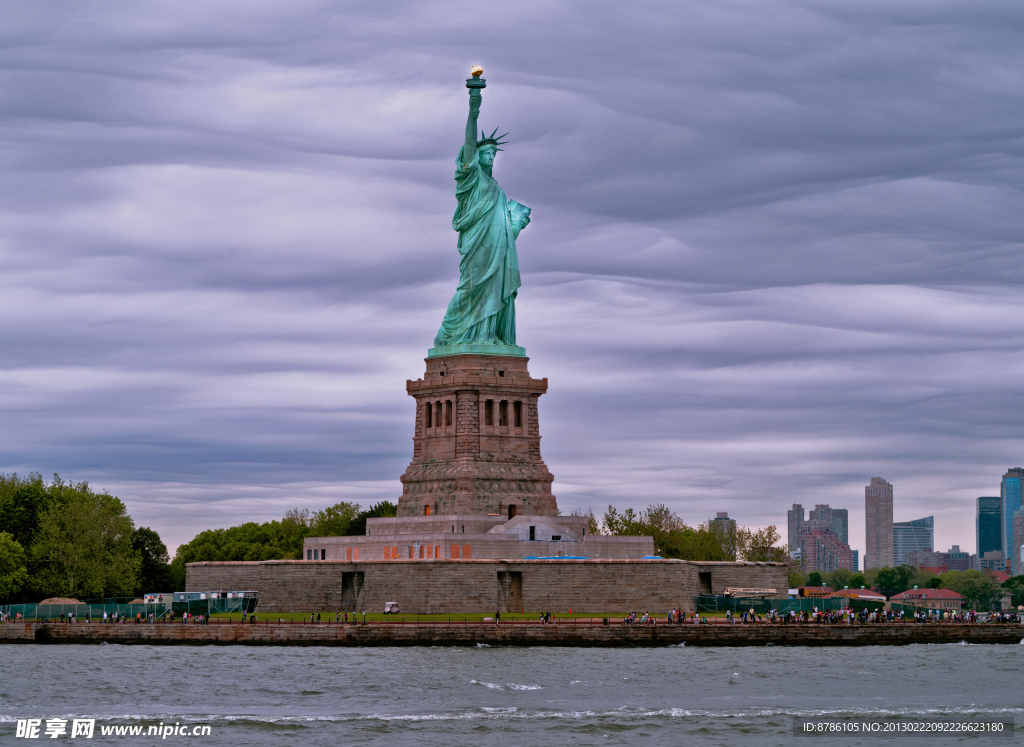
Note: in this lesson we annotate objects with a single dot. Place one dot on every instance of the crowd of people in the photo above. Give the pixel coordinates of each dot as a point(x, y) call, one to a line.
point(846, 616)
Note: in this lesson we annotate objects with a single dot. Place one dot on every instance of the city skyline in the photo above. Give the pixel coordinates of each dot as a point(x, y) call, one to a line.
point(916, 537)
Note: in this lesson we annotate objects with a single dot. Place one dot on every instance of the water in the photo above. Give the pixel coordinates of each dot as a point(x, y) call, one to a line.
point(499, 696)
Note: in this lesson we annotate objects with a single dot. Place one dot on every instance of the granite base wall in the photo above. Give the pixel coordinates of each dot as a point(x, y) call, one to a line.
point(273, 634)
point(455, 586)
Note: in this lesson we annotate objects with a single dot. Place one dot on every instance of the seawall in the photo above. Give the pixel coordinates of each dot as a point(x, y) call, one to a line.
point(520, 634)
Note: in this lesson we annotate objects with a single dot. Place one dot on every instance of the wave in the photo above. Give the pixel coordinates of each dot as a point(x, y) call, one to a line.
point(510, 686)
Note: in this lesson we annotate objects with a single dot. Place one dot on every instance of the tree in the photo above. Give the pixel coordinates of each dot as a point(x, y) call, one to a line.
point(154, 565)
point(843, 577)
point(333, 521)
point(759, 546)
point(1015, 585)
point(839, 578)
point(626, 523)
point(593, 525)
point(19, 513)
point(891, 581)
point(384, 509)
point(976, 588)
point(935, 582)
point(796, 576)
point(13, 572)
point(670, 533)
point(814, 579)
point(710, 541)
point(83, 546)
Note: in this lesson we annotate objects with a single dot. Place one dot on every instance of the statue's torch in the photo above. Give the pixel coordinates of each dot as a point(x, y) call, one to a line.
point(476, 81)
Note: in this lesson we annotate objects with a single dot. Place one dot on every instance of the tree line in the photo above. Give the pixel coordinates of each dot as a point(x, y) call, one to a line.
point(276, 540)
point(674, 538)
point(64, 539)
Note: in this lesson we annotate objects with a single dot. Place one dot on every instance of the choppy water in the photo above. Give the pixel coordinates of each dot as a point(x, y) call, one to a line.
point(498, 696)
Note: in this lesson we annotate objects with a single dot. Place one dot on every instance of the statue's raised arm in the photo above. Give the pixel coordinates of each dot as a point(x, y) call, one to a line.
point(474, 114)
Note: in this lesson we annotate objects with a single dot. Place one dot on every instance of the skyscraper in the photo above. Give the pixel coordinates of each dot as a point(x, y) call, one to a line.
point(1018, 539)
point(878, 521)
point(821, 549)
point(822, 546)
point(1010, 494)
point(912, 536)
point(837, 518)
point(723, 521)
point(821, 512)
point(794, 517)
point(841, 524)
point(989, 524)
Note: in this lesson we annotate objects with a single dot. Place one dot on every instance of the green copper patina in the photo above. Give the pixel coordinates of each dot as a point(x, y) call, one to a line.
point(481, 316)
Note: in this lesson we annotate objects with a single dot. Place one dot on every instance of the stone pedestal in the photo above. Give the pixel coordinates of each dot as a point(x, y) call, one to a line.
point(477, 444)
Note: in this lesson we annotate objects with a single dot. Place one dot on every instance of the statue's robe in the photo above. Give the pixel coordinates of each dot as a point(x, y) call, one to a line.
point(482, 310)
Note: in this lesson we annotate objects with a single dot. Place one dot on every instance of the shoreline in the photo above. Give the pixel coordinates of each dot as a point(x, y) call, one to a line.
point(522, 634)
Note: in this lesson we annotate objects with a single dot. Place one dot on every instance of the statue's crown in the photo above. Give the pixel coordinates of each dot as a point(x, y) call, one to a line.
point(486, 139)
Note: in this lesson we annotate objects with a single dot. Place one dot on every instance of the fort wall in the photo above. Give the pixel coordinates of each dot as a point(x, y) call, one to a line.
point(456, 586)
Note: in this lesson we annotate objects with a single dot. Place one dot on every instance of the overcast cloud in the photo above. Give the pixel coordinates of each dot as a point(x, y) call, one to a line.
point(775, 249)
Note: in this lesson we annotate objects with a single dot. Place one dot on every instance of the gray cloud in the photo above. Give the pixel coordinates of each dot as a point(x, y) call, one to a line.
point(776, 248)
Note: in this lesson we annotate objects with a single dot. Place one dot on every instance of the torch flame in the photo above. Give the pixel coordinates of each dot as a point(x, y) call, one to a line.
point(476, 71)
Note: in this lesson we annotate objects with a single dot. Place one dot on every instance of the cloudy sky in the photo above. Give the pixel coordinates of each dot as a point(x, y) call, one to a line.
point(775, 250)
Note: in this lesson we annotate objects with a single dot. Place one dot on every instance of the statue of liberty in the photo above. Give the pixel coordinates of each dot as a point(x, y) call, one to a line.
point(481, 316)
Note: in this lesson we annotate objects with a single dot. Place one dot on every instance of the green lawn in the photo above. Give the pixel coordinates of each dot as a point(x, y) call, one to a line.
point(326, 617)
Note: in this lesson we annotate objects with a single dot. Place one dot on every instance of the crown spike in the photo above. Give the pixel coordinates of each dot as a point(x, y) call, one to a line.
point(486, 139)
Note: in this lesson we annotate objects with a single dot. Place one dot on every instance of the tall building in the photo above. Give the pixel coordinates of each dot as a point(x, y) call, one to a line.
point(821, 549)
point(822, 513)
point(878, 524)
point(723, 521)
point(794, 518)
point(841, 524)
point(837, 518)
point(912, 536)
point(953, 559)
point(1018, 541)
point(1010, 496)
point(926, 559)
point(988, 524)
point(856, 561)
point(992, 561)
point(958, 560)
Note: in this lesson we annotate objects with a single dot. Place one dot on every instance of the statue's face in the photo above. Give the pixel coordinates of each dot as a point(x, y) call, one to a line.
point(487, 154)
